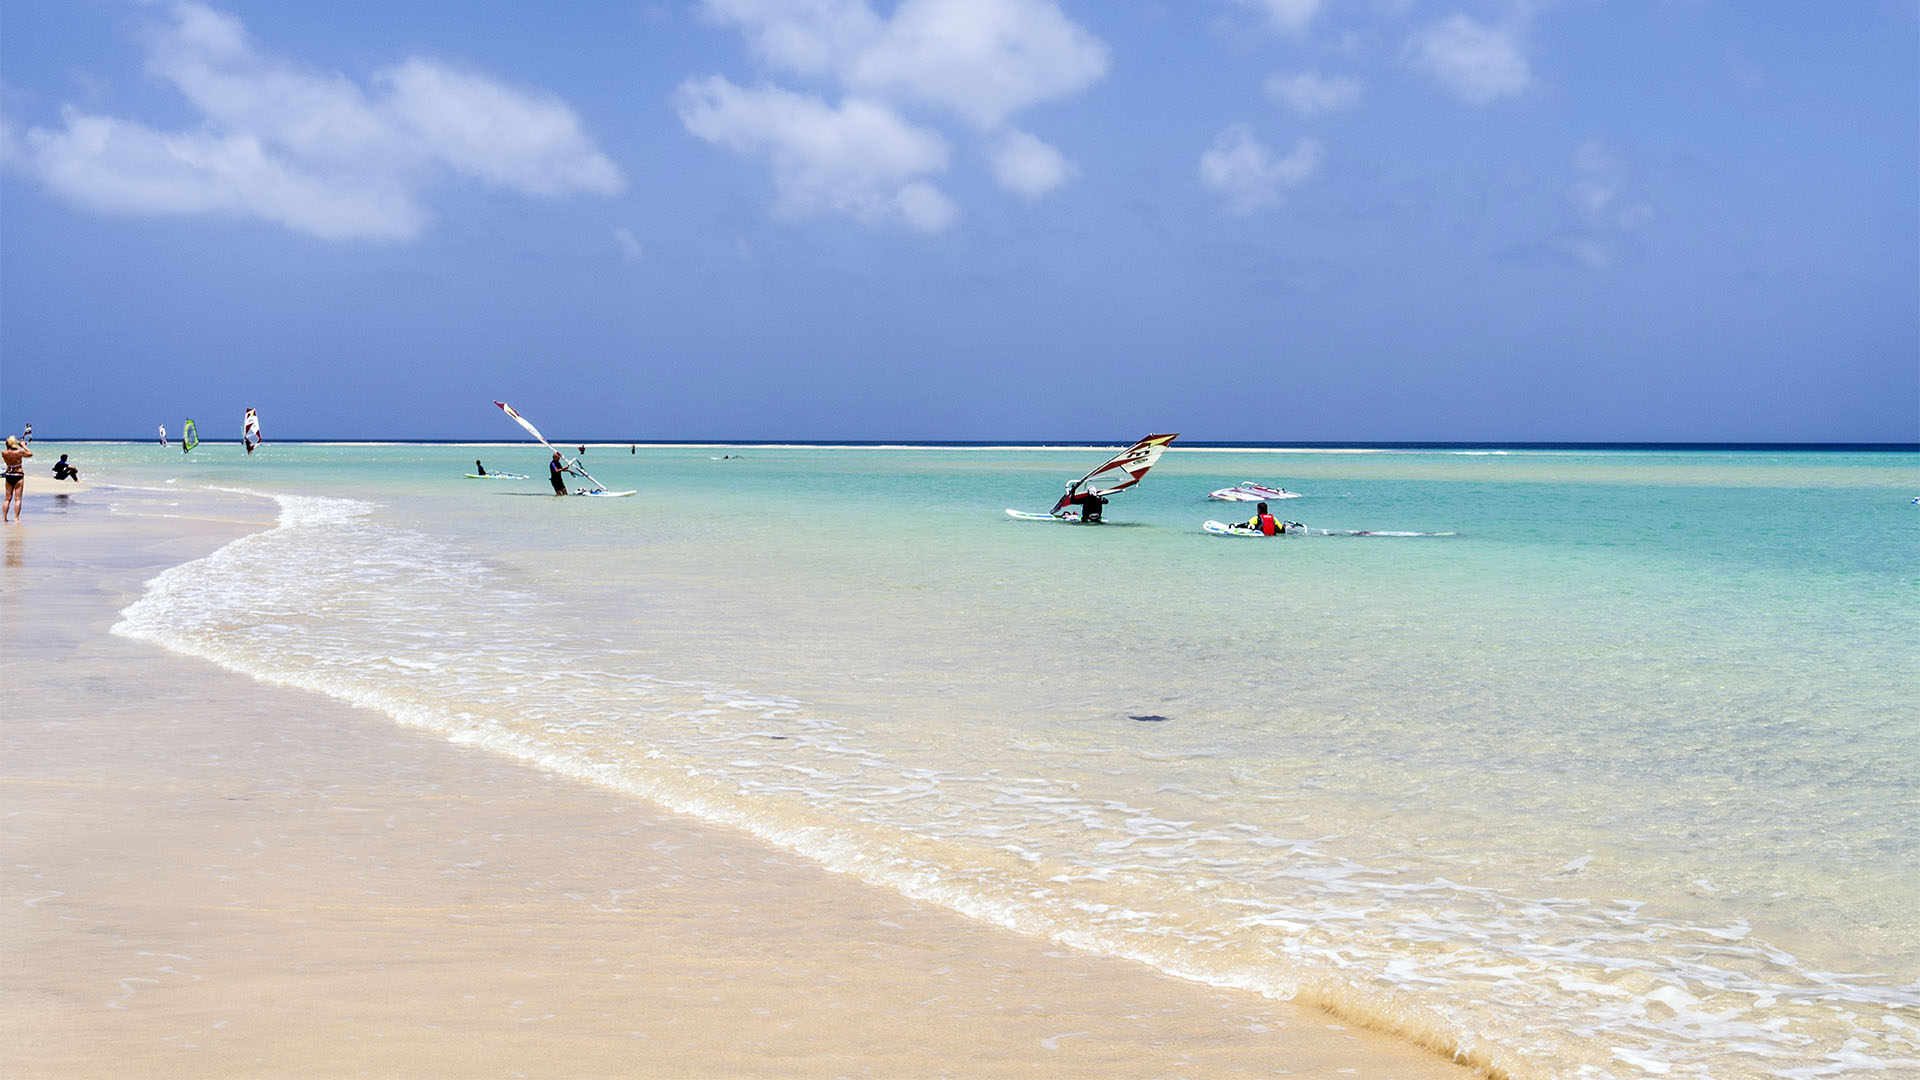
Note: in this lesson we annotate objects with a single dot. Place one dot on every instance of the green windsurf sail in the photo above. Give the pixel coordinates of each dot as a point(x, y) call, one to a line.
point(189, 437)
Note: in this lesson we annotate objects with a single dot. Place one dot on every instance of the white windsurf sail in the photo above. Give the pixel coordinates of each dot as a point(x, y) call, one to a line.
point(1252, 492)
point(250, 430)
point(571, 463)
point(1121, 471)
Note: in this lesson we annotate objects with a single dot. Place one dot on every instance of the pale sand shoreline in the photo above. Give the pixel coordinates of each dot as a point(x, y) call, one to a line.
point(205, 876)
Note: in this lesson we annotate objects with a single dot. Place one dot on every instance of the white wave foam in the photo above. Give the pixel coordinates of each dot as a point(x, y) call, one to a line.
point(329, 600)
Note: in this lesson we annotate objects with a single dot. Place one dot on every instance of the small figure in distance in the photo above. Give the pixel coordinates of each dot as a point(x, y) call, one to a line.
point(583, 451)
point(63, 471)
point(478, 468)
point(14, 456)
point(555, 470)
point(26, 437)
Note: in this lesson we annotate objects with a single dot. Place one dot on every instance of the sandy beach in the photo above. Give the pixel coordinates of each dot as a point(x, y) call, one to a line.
point(206, 876)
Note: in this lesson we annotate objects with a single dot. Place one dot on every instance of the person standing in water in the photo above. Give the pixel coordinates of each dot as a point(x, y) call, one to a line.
point(555, 470)
point(14, 457)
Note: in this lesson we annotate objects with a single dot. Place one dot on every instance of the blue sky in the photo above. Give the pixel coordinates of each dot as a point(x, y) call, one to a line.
point(1264, 220)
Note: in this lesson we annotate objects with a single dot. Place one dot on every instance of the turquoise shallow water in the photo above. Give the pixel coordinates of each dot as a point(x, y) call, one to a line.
point(1617, 781)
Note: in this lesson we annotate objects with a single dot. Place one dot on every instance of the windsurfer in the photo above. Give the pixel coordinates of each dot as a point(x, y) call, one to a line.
point(555, 470)
point(1090, 503)
point(250, 430)
point(14, 456)
point(478, 468)
point(1264, 523)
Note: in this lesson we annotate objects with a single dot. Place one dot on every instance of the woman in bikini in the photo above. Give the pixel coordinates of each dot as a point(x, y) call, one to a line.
point(16, 473)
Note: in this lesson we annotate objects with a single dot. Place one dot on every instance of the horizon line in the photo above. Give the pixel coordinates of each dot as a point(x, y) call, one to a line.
point(1043, 444)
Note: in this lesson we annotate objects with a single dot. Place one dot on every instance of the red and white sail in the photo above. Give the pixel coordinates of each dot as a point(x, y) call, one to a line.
point(1122, 470)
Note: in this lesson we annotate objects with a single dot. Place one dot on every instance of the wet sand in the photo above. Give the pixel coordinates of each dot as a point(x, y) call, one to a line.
point(205, 876)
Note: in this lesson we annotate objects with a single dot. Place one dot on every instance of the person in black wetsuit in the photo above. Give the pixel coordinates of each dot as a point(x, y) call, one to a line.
point(555, 470)
point(1089, 503)
point(479, 469)
point(64, 471)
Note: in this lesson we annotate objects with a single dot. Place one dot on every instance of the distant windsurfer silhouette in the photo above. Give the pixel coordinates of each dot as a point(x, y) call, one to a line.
point(479, 468)
point(250, 431)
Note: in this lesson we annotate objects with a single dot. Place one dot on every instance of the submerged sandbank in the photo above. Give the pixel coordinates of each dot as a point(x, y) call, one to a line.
point(208, 876)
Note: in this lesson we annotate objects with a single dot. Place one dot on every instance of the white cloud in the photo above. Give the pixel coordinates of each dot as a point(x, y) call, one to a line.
point(1478, 63)
point(629, 245)
point(1029, 167)
point(810, 37)
point(530, 142)
point(1604, 220)
point(980, 61)
point(1246, 172)
point(983, 60)
point(1291, 16)
point(308, 149)
point(1310, 92)
point(860, 159)
point(113, 166)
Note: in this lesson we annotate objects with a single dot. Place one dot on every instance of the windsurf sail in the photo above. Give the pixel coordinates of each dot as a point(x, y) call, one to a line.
point(571, 463)
point(250, 430)
point(1121, 471)
point(163, 435)
point(189, 437)
point(1252, 492)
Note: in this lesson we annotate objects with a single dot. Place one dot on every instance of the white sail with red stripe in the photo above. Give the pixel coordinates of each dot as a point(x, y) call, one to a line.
point(1121, 471)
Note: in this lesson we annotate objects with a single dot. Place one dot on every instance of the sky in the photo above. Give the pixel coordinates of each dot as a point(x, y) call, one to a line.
point(1035, 220)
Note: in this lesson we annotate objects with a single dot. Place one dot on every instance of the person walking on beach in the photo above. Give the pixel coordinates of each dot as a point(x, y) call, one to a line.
point(64, 471)
point(555, 469)
point(14, 457)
